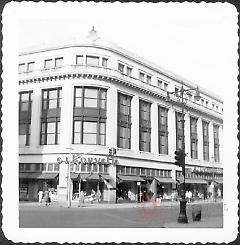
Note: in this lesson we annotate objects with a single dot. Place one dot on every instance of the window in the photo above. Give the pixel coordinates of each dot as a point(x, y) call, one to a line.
point(202, 102)
point(148, 79)
point(21, 68)
point(144, 126)
point(89, 122)
point(121, 67)
point(205, 141)
point(48, 63)
point(30, 66)
point(206, 103)
point(129, 71)
point(162, 130)
point(124, 121)
point(59, 62)
point(25, 102)
point(56, 167)
point(104, 62)
point(141, 76)
point(79, 59)
point(92, 60)
point(176, 92)
point(216, 142)
point(160, 84)
point(50, 119)
point(179, 131)
point(51, 98)
point(165, 86)
point(193, 138)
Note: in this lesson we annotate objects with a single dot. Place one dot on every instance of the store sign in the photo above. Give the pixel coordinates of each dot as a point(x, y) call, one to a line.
point(92, 159)
point(207, 170)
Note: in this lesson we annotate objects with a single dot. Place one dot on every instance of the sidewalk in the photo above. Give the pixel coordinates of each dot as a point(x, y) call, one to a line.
point(209, 222)
point(74, 204)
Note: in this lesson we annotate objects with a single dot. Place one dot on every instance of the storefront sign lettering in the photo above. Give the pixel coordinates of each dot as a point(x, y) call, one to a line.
point(91, 160)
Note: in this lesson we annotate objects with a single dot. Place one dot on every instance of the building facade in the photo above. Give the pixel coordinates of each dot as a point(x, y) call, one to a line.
point(78, 101)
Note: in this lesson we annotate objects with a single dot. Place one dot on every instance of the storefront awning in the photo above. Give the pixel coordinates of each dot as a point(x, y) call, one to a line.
point(130, 178)
point(74, 176)
point(165, 180)
point(94, 176)
point(38, 175)
point(47, 176)
point(219, 181)
point(195, 181)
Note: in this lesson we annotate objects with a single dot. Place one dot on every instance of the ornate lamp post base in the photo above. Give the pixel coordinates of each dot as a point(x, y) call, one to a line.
point(182, 218)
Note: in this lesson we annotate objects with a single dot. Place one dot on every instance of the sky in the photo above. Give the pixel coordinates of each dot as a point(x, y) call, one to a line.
point(195, 41)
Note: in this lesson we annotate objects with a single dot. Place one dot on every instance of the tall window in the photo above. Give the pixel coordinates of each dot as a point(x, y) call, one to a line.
point(48, 63)
point(129, 71)
point(25, 102)
point(205, 141)
point(89, 116)
point(124, 121)
point(162, 130)
point(92, 60)
point(193, 137)
point(179, 131)
point(50, 119)
point(148, 79)
point(121, 67)
point(144, 126)
point(216, 142)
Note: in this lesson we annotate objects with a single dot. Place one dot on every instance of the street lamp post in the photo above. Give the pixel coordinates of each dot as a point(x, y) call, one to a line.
point(182, 218)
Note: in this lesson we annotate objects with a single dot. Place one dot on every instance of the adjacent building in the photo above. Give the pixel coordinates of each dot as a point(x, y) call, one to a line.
point(80, 100)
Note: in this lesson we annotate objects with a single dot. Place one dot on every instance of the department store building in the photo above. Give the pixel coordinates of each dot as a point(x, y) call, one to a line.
point(82, 98)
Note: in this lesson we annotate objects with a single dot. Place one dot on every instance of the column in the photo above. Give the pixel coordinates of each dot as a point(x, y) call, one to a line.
point(211, 141)
point(221, 143)
point(111, 124)
point(35, 118)
point(187, 135)
point(200, 138)
point(135, 123)
point(66, 125)
point(154, 128)
point(65, 136)
point(111, 137)
point(171, 131)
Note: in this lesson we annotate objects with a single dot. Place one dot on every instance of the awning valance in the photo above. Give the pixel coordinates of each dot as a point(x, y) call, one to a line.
point(130, 178)
point(195, 181)
point(74, 176)
point(94, 176)
point(165, 180)
point(38, 175)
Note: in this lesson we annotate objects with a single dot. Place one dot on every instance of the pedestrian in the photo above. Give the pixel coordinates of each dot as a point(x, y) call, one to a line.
point(46, 197)
point(98, 195)
point(40, 197)
point(93, 196)
point(81, 199)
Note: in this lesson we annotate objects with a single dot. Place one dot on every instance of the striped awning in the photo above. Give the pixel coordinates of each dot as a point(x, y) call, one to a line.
point(130, 178)
point(165, 180)
point(74, 176)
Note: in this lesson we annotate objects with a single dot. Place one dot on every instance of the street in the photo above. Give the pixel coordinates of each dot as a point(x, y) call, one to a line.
point(120, 216)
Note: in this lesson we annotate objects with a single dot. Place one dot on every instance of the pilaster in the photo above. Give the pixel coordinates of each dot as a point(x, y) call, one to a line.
point(171, 131)
point(187, 135)
point(35, 118)
point(200, 138)
point(211, 140)
point(154, 128)
point(111, 124)
point(135, 123)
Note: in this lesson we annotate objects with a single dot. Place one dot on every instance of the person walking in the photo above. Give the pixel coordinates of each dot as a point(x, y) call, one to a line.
point(46, 197)
point(40, 197)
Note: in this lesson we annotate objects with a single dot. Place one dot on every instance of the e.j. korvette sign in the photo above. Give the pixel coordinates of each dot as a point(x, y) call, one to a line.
point(93, 159)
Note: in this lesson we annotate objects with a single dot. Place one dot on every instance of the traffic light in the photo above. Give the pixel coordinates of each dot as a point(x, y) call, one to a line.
point(179, 157)
point(112, 151)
